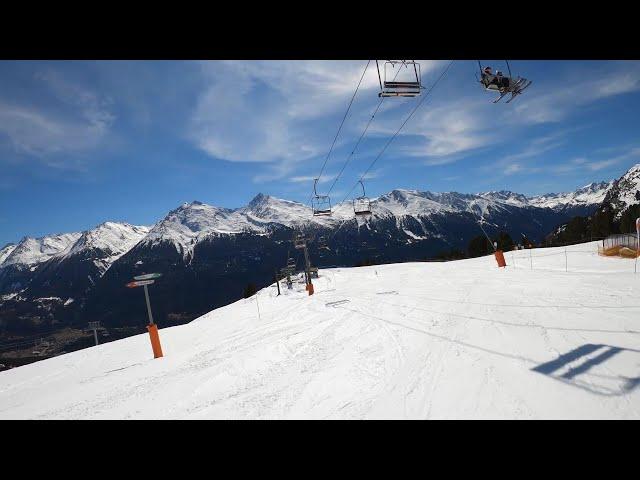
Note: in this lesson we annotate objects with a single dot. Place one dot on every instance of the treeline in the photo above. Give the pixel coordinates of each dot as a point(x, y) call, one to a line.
point(480, 245)
point(600, 225)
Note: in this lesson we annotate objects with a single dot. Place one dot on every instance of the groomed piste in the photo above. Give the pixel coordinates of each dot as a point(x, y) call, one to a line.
point(557, 335)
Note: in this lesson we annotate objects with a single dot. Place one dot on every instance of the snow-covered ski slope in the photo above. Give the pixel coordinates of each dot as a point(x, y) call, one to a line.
point(460, 339)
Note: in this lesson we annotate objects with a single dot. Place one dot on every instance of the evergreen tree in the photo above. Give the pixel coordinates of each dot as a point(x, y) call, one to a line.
point(526, 242)
point(479, 246)
point(504, 241)
point(250, 290)
point(628, 219)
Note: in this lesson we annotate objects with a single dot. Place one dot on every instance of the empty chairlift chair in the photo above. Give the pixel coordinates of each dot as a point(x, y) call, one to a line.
point(399, 78)
point(323, 243)
point(291, 265)
point(362, 205)
point(299, 241)
point(321, 204)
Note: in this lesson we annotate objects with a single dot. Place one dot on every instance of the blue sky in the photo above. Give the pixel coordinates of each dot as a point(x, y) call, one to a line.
point(85, 142)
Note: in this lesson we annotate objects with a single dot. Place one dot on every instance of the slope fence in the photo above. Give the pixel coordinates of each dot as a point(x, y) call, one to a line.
point(569, 259)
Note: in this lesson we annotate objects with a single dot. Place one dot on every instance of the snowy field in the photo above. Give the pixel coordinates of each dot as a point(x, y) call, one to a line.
point(459, 339)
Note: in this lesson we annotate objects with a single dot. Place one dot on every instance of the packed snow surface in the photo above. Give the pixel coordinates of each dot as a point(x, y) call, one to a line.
point(460, 339)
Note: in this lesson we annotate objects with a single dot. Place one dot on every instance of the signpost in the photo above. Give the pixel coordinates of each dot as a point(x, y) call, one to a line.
point(300, 242)
point(94, 326)
point(152, 328)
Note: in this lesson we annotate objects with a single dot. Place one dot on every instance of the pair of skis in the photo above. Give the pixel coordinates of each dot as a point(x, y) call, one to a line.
point(516, 90)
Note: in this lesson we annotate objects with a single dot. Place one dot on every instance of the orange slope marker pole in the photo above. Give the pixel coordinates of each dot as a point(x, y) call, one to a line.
point(155, 340)
point(153, 329)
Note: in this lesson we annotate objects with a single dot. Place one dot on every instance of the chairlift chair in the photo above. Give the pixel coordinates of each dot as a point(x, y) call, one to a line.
point(409, 85)
point(502, 84)
point(362, 205)
point(299, 241)
point(291, 265)
point(322, 243)
point(321, 204)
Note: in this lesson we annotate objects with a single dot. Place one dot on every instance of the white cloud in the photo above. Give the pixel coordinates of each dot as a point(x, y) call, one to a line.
point(555, 98)
point(74, 119)
point(450, 129)
point(38, 133)
point(283, 113)
point(513, 168)
point(326, 177)
point(372, 174)
point(596, 165)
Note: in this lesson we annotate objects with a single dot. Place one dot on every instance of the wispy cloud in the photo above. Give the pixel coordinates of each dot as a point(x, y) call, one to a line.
point(284, 114)
point(372, 174)
point(279, 112)
point(310, 178)
point(72, 119)
point(444, 132)
point(595, 165)
point(564, 95)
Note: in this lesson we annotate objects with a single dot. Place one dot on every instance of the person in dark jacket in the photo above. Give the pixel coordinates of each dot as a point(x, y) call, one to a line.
point(501, 81)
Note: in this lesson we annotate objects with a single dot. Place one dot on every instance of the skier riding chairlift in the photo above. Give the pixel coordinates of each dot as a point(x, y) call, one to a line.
point(502, 84)
point(499, 80)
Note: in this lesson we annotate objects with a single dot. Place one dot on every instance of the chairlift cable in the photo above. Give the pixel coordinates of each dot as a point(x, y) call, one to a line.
point(355, 148)
point(384, 148)
point(343, 120)
point(379, 78)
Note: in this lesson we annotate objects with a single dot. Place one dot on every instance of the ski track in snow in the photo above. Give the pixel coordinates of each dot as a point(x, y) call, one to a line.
point(416, 340)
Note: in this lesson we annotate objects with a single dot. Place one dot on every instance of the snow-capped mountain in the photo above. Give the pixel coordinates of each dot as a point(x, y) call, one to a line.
point(104, 244)
point(587, 196)
point(265, 209)
point(625, 191)
point(58, 269)
point(191, 223)
point(6, 251)
point(29, 252)
point(194, 222)
point(185, 226)
point(75, 270)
